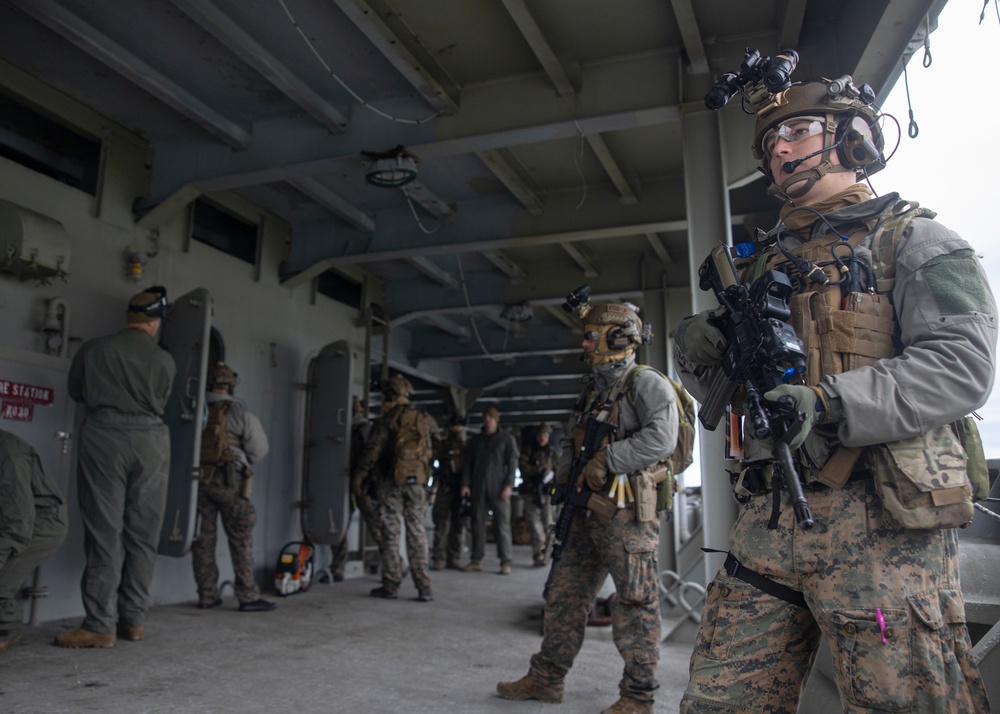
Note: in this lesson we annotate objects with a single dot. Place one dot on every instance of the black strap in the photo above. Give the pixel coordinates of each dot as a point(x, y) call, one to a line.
point(763, 583)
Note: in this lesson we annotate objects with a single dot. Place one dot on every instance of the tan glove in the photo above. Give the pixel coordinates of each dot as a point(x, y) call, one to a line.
point(594, 474)
point(700, 342)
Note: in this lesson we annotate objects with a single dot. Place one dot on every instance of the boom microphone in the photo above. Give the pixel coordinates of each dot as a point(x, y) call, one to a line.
point(790, 166)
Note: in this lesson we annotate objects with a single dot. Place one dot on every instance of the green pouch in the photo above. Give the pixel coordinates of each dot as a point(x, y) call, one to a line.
point(665, 491)
point(922, 481)
point(979, 475)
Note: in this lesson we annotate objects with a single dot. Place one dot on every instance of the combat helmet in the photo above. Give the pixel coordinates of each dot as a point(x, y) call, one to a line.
point(221, 375)
point(396, 387)
point(849, 122)
point(616, 330)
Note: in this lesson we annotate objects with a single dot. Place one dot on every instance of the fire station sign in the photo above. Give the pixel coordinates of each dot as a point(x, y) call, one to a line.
point(17, 400)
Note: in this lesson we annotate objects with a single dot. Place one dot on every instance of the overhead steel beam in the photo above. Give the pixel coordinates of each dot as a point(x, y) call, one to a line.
point(790, 16)
point(580, 259)
point(102, 48)
point(169, 208)
point(385, 29)
point(879, 63)
point(564, 317)
point(449, 326)
point(419, 193)
point(540, 46)
point(513, 113)
point(611, 168)
point(503, 170)
point(661, 250)
point(336, 205)
point(433, 271)
point(234, 37)
point(688, 25)
point(505, 265)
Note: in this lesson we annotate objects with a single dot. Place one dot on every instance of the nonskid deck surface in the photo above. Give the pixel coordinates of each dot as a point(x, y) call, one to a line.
point(331, 649)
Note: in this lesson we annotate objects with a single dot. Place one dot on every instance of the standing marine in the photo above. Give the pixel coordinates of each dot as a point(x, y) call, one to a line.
point(611, 536)
point(538, 464)
point(398, 454)
point(449, 526)
point(898, 330)
point(231, 442)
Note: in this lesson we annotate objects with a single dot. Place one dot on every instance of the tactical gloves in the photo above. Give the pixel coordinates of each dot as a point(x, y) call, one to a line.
point(813, 403)
point(594, 474)
point(700, 342)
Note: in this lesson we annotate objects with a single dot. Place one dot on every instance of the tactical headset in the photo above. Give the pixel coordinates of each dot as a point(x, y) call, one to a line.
point(157, 308)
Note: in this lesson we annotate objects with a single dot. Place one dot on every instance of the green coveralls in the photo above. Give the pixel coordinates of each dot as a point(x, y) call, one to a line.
point(32, 523)
point(123, 464)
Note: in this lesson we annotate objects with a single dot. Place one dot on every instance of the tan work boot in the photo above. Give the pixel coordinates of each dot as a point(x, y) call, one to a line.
point(474, 566)
point(8, 641)
point(85, 638)
point(505, 569)
point(527, 688)
point(628, 705)
point(127, 632)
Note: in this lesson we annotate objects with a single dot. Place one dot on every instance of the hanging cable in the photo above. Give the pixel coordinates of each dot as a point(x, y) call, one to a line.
point(913, 129)
point(927, 42)
point(576, 161)
point(982, 15)
point(472, 318)
point(413, 210)
point(341, 82)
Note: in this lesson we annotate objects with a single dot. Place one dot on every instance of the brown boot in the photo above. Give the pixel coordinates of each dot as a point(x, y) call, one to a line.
point(85, 638)
point(528, 688)
point(127, 632)
point(474, 566)
point(437, 565)
point(454, 565)
point(8, 641)
point(628, 705)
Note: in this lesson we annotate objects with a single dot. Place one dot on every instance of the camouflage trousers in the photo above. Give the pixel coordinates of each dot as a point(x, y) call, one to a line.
point(410, 502)
point(626, 549)
point(886, 598)
point(368, 507)
point(448, 526)
point(215, 499)
point(541, 519)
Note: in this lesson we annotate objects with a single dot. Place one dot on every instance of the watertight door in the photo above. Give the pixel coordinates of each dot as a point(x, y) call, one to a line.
point(185, 335)
point(325, 491)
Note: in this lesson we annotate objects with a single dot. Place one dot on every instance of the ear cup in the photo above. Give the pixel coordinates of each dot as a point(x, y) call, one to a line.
point(856, 148)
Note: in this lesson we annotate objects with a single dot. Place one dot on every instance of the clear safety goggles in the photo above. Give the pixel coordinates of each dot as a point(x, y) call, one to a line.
point(590, 336)
point(793, 131)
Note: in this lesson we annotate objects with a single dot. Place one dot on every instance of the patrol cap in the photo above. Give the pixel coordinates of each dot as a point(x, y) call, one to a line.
point(147, 306)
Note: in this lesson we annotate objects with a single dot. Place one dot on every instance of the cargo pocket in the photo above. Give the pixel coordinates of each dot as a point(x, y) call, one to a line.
point(639, 583)
point(873, 673)
point(721, 619)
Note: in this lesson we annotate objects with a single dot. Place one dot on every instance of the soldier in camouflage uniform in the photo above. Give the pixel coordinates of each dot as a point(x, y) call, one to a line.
point(449, 529)
point(538, 462)
point(407, 499)
point(620, 540)
point(224, 492)
point(32, 525)
point(891, 360)
point(123, 458)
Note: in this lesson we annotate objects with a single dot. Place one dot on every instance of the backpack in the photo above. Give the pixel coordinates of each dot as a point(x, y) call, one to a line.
point(411, 448)
point(683, 454)
point(215, 449)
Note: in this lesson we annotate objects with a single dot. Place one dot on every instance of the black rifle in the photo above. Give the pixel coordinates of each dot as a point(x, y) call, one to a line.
point(567, 495)
point(763, 352)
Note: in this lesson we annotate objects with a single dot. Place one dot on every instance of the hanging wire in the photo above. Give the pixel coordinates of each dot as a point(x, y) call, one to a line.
point(472, 318)
point(413, 210)
point(927, 41)
point(912, 130)
point(576, 160)
point(333, 74)
point(982, 15)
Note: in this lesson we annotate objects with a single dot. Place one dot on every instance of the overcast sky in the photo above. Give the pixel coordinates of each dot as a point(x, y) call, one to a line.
point(953, 165)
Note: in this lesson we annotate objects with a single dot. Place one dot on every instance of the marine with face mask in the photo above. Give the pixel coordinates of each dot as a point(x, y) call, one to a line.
point(898, 326)
point(623, 538)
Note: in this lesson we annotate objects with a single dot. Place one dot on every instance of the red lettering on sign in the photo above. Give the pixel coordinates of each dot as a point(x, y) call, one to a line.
point(16, 411)
point(30, 393)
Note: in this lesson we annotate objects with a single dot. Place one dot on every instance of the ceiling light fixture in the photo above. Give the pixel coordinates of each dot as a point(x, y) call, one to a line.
point(516, 312)
point(390, 169)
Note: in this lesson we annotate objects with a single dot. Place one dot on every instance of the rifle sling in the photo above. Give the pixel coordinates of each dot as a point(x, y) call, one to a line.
point(763, 583)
